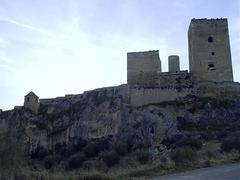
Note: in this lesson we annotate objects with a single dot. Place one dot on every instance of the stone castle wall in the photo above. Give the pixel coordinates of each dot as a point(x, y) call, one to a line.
point(221, 90)
point(170, 80)
point(144, 96)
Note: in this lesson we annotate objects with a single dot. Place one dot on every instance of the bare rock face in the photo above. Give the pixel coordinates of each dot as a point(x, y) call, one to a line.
point(152, 125)
point(104, 114)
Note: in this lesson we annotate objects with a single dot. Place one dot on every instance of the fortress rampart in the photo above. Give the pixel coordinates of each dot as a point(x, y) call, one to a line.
point(222, 90)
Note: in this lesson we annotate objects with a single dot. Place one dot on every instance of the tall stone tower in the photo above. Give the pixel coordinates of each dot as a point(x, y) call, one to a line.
point(173, 64)
point(209, 50)
point(143, 68)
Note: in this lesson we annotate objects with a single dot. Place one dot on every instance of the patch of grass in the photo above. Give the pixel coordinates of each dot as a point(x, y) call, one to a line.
point(183, 155)
point(142, 171)
point(60, 174)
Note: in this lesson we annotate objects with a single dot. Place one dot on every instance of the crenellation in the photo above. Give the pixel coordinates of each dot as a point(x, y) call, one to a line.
point(206, 21)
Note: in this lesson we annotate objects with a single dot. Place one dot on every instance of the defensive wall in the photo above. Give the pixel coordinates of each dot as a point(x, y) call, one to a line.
point(143, 96)
point(181, 78)
point(221, 90)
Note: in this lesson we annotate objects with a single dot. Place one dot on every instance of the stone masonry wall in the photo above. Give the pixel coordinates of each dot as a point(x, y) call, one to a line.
point(173, 64)
point(170, 80)
point(144, 96)
point(222, 90)
point(143, 68)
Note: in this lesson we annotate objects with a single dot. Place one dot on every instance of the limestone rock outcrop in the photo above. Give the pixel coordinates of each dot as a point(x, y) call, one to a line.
point(104, 113)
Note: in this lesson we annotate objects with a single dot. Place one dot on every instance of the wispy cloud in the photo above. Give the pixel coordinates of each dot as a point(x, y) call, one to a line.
point(6, 63)
point(24, 25)
point(7, 67)
point(179, 4)
point(3, 42)
point(5, 60)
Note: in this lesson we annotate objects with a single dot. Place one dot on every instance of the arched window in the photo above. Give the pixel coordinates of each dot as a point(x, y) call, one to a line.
point(210, 39)
point(28, 99)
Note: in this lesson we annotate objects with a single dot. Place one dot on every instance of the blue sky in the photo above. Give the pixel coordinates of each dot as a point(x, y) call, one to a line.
point(58, 47)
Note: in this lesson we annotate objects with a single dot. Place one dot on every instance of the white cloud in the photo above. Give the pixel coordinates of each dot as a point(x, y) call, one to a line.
point(3, 42)
point(12, 21)
point(27, 26)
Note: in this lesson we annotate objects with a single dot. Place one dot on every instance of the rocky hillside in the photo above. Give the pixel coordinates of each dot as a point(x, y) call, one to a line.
point(99, 129)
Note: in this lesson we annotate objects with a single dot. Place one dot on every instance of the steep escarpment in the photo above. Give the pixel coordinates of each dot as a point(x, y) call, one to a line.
point(98, 130)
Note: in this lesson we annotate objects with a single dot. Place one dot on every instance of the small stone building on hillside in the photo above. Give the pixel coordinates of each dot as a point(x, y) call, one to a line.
point(31, 102)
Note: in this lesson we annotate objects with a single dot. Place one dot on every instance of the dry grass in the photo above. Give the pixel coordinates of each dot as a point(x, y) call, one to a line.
point(209, 155)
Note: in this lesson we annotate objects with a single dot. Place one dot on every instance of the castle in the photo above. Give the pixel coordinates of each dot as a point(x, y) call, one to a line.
point(209, 57)
point(210, 69)
point(210, 75)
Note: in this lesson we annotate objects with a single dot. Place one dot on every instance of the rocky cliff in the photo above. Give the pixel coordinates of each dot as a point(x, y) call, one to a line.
point(101, 120)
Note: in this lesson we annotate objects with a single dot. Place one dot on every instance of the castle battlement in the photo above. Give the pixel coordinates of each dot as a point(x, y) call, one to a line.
point(205, 20)
point(140, 53)
point(210, 25)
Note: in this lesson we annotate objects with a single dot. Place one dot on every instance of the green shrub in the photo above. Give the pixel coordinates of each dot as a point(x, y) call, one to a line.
point(143, 156)
point(110, 158)
point(67, 150)
point(123, 147)
point(12, 152)
point(231, 142)
point(91, 150)
point(182, 140)
point(60, 148)
point(195, 143)
point(49, 162)
point(183, 155)
point(95, 147)
point(39, 153)
point(75, 161)
point(52, 160)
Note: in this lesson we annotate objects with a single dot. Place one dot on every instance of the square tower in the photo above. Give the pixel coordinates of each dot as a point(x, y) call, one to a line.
point(209, 50)
point(31, 102)
point(143, 68)
point(173, 64)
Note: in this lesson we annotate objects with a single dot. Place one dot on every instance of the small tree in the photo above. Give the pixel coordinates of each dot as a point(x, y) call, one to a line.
point(11, 153)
